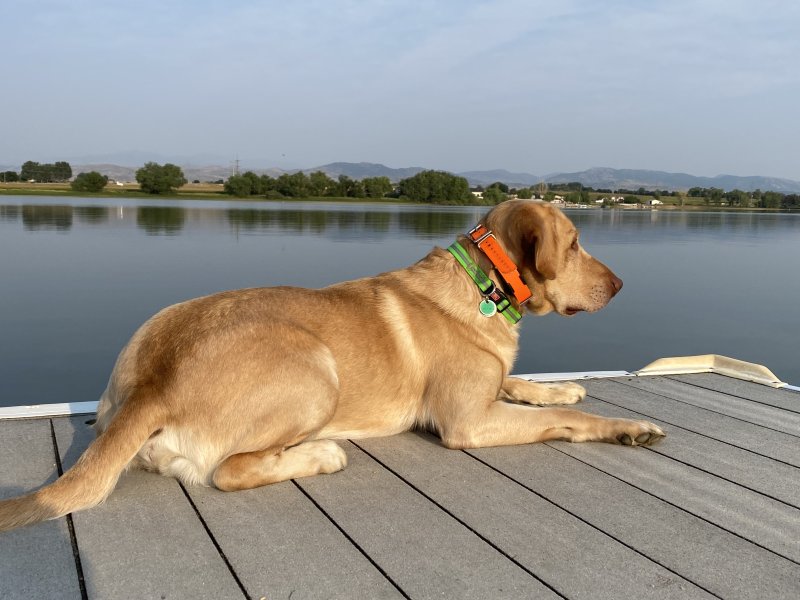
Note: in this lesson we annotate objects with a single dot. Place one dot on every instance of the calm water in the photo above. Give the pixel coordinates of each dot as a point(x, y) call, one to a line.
point(78, 276)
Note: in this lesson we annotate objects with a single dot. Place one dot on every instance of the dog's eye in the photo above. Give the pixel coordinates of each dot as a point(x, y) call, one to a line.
point(575, 245)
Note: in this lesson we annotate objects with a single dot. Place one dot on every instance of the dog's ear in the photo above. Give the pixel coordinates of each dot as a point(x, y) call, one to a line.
point(544, 239)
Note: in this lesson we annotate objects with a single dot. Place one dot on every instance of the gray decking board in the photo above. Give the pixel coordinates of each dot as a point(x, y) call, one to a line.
point(282, 546)
point(36, 562)
point(424, 550)
point(759, 414)
point(752, 471)
point(710, 557)
point(751, 515)
point(525, 526)
point(772, 444)
point(145, 541)
point(689, 517)
point(778, 397)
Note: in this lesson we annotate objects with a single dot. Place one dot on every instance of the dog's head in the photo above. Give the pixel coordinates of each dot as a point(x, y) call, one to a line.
point(546, 248)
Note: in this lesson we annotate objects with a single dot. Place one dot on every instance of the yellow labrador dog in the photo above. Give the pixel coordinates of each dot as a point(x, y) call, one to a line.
point(250, 387)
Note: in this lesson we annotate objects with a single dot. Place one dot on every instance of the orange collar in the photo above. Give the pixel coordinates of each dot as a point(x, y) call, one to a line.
point(484, 239)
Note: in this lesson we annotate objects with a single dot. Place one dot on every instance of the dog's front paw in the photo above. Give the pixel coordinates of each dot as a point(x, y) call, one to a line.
point(330, 455)
point(562, 393)
point(572, 393)
point(639, 433)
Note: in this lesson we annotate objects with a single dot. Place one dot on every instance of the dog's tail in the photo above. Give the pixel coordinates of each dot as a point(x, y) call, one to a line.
point(93, 476)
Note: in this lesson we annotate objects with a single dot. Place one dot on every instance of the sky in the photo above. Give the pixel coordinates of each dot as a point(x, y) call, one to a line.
point(703, 87)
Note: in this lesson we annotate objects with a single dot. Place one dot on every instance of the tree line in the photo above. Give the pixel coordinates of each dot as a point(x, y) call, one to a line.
point(431, 187)
point(711, 196)
point(301, 185)
point(755, 199)
point(44, 172)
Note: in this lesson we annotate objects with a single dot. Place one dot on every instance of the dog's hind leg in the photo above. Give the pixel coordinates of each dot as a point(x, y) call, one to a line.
point(254, 469)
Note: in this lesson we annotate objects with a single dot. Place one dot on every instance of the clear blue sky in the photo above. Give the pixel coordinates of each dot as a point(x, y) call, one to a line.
point(704, 87)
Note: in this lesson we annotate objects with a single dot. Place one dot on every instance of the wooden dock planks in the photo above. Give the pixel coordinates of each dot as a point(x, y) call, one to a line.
point(711, 511)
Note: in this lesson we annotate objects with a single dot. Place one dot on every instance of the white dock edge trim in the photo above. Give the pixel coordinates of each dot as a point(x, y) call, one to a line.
point(48, 410)
point(544, 377)
point(713, 363)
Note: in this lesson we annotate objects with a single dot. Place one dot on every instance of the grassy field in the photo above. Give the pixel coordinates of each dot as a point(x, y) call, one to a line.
point(128, 190)
point(190, 191)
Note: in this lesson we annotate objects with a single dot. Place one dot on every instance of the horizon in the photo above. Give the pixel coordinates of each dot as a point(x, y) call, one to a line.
point(250, 165)
point(703, 88)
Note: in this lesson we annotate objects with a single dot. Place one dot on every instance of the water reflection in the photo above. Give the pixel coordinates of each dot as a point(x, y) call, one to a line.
point(93, 215)
point(47, 218)
point(359, 223)
point(434, 224)
point(310, 221)
point(10, 213)
point(375, 222)
point(160, 220)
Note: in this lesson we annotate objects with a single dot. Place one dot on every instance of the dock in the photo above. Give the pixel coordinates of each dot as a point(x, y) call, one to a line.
point(713, 511)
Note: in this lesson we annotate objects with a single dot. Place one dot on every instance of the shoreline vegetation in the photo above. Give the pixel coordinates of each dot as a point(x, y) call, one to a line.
point(426, 187)
point(213, 191)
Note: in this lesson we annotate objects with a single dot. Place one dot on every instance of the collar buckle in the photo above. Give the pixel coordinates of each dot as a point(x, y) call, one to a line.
point(479, 233)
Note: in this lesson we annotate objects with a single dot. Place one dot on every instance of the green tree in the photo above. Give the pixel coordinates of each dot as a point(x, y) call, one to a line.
point(268, 185)
point(376, 187)
point(344, 187)
point(46, 172)
point(61, 171)
point(319, 184)
point(294, 185)
point(771, 199)
point(791, 201)
point(493, 195)
point(89, 182)
point(525, 193)
point(9, 176)
point(29, 171)
point(714, 195)
point(437, 187)
point(256, 183)
point(237, 185)
point(357, 190)
point(160, 179)
point(738, 198)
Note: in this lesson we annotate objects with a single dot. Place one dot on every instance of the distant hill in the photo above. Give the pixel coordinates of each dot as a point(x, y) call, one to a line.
point(635, 178)
point(365, 169)
point(489, 177)
point(114, 172)
point(598, 177)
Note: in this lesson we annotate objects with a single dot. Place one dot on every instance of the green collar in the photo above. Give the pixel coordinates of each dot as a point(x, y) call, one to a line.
point(494, 300)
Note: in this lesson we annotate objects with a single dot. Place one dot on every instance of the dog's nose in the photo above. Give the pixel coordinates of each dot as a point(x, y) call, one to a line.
point(617, 283)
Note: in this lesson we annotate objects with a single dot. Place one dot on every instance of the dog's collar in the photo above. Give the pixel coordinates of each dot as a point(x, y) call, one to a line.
point(484, 239)
point(494, 299)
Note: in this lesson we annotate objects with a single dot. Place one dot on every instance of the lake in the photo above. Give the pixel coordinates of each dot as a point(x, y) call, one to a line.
point(79, 275)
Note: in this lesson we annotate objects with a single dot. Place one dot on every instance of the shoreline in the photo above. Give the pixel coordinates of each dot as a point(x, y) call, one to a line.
point(202, 192)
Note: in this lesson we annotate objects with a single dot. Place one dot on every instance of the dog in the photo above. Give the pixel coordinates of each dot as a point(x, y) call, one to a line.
point(250, 387)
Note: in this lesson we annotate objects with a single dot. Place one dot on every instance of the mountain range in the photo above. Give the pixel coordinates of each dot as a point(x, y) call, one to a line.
point(597, 178)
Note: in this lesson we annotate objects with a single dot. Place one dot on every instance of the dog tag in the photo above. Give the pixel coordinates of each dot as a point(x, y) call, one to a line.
point(487, 308)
